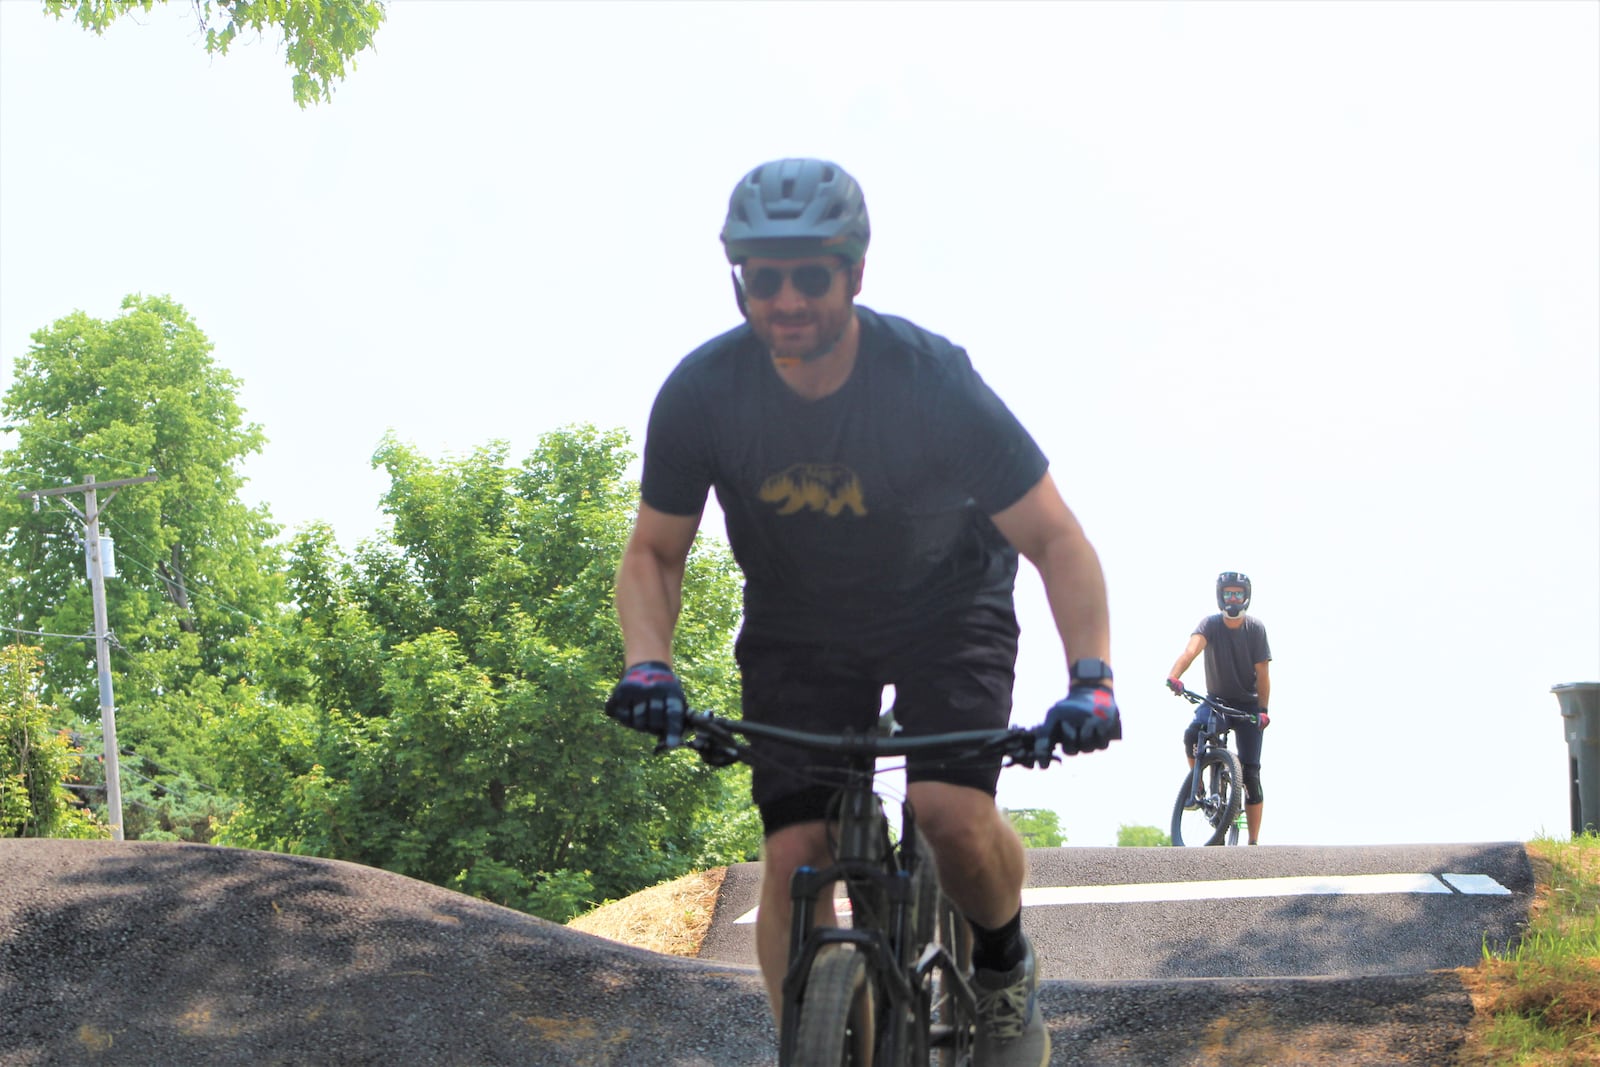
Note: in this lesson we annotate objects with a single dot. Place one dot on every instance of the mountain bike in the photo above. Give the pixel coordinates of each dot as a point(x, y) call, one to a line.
point(1210, 804)
point(896, 987)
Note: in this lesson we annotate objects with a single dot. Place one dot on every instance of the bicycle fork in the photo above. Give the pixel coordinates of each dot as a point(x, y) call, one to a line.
point(890, 892)
point(880, 893)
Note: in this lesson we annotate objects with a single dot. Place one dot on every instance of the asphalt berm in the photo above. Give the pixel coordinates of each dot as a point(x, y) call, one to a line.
point(136, 953)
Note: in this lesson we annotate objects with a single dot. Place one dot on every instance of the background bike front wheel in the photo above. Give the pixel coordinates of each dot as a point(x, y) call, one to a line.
point(1208, 819)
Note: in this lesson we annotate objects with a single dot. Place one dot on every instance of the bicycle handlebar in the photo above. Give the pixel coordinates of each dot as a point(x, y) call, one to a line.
point(1218, 706)
point(714, 738)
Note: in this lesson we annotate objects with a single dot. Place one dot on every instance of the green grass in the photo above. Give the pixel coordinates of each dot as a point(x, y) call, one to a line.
point(1538, 1003)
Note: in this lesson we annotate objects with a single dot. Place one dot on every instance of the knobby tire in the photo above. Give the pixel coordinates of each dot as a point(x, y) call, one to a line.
point(836, 1012)
point(1221, 777)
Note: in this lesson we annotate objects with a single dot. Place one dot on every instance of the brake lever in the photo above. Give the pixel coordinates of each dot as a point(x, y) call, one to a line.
point(715, 751)
point(1038, 751)
point(673, 737)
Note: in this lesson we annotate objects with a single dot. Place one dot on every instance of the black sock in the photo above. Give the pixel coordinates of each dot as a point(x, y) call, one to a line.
point(1000, 949)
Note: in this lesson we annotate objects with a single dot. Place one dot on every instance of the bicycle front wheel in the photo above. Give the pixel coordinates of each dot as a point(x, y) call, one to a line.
point(836, 1013)
point(952, 1025)
point(1207, 818)
point(945, 1024)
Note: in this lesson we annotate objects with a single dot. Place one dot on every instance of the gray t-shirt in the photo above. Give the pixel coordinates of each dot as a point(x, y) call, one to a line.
point(1231, 658)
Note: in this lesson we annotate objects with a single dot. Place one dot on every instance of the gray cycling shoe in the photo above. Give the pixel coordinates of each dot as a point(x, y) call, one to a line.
point(1011, 1029)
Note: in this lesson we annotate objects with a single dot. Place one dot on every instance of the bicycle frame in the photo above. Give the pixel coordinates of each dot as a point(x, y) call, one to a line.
point(880, 880)
point(1214, 731)
point(1212, 735)
point(1213, 801)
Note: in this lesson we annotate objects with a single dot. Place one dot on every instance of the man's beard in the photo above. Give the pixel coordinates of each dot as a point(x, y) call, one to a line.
point(829, 332)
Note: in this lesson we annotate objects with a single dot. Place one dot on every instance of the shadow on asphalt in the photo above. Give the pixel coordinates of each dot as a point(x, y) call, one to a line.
point(144, 953)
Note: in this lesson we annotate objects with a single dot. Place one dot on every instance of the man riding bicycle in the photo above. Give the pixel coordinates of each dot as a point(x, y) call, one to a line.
point(1237, 658)
point(877, 495)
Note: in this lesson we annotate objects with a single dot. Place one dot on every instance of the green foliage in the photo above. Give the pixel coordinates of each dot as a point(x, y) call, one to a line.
point(319, 36)
point(1540, 999)
point(35, 761)
point(443, 691)
point(1141, 837)
point(199, 577)
point(432, 704)
point(1039, 827)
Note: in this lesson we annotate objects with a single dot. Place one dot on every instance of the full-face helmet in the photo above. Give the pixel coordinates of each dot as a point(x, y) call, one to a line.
point(1231, 603)
point(791, 208)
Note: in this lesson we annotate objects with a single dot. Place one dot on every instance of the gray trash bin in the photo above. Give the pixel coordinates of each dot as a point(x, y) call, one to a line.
point(1580, 716)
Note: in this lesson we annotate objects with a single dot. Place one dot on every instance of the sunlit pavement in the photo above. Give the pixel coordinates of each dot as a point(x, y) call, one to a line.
point(1109, 914)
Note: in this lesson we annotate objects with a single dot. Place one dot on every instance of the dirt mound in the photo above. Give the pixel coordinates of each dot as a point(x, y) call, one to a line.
point(671, 918)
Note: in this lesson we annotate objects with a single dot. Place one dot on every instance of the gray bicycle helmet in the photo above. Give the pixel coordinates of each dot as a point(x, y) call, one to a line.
point(796, 207)
point(1234, 578)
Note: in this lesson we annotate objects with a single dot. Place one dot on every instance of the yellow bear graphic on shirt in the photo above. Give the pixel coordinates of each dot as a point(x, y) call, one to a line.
point(824, 487)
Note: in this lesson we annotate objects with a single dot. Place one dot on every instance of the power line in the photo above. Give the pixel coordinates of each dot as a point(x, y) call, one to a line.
point(192, 584)
point(77, 741)
point(132, 464)
point(80, 786)
point(46, 633)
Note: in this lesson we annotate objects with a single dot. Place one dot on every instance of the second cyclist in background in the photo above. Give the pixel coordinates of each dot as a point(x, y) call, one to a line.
point(1237, 655)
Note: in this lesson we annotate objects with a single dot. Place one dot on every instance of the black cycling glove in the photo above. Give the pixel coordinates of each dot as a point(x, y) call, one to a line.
point(649, 698)
point(1085, 721)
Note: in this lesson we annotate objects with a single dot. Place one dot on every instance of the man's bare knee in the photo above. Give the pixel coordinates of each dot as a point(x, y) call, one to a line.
point(957, 820)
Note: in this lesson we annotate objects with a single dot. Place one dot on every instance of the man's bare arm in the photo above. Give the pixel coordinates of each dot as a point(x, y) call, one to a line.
point(1046, 532)
point(1196, 645)
point(650, 583)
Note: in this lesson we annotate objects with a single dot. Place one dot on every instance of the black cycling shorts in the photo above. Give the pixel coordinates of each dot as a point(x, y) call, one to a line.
point(956, 675)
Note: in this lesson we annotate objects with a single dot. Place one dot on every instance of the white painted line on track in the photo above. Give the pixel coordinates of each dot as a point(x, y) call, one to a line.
point(1235, 888)
point(1243, 888)
point(1477, 884)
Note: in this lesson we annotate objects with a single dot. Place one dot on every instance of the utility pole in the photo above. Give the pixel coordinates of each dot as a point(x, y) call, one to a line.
point(90, 517)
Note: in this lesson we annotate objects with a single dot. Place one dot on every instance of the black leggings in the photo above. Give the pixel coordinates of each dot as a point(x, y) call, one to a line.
point(1249, 742)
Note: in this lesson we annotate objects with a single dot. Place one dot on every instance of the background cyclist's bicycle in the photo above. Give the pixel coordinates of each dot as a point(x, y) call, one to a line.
point(1210, 804)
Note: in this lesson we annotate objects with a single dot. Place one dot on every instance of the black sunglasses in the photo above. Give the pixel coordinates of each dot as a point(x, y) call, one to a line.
point(812, 280)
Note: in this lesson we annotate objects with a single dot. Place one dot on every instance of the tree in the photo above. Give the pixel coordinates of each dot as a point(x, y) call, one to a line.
point(446, 684)
point(1039, 827)
point(1141, 837)
point(198, 573)
point(319, 36)
point(35, 761)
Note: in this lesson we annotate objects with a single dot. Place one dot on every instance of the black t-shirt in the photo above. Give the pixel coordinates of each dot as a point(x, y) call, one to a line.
point(860, 512)
point(1231, 658)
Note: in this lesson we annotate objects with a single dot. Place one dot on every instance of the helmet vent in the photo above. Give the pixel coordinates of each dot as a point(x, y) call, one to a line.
point(788, 188)
point(836, 210)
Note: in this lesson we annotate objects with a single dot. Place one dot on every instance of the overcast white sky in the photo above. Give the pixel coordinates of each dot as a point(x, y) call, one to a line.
point(1309, 290)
